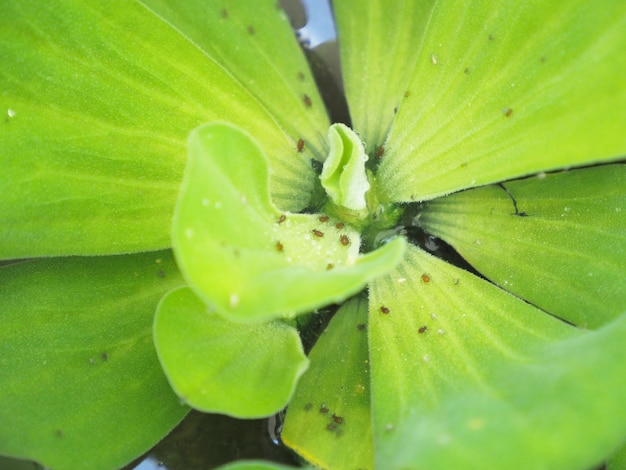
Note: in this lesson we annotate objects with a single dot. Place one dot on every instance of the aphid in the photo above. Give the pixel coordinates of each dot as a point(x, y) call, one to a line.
point(323, 218)
point(317, 233)
point(300, 145)
point(339, 225)
point(58, 433)
point(425, 278)
point(407, 94)
point(301, 76)
point(308, 406)
point(380, 151)
point(307, 101)
point(360, 326)
point(329, 266)
point(331, 426)
point(251, 30)
point(507, 111)
point(224, 13)
point(337, 419)
point(323, 408)
point(279, 246)
point(467, 70)
point(104, 356)
point(422, 329)
point(344, 239)
point(433, 59)
point(384, 309)
point(491, 37)
point(281, 219)
point(161, 273)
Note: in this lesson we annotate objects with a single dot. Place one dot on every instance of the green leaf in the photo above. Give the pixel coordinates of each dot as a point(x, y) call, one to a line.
point(465, 375)
point(343, 175)
point(254, 465)
point(258, 47)
point(243, 370)
point(558, 240)
point(81, 383)
point(328, 420)
point(245, 258)
point(376, 76)
point(503, 89)
point(617, 460)
point(98, 100)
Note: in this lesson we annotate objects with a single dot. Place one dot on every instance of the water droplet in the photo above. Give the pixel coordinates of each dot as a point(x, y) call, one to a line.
point(218, 205)
point(441, 332)
point(401, 280)
point(426, 358)
point(234, 300)
point(10, 113)
point(189, 232)
point(205, 202)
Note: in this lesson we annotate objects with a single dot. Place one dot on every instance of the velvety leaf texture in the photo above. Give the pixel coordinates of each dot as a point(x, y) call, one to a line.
point(81, 382)
point(98, 100)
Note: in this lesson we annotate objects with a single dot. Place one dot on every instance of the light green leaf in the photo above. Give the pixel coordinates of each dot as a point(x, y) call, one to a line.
point(503, 89)
point(97, 101)
point(242, 370)
point(257, 45)
point(328, 420)
point(617, 460)
point(378, 42)
point(81, 384)
point(557, 241)
point(245, 258)
point(254, 465)
point(343, 174)
point(465, 375)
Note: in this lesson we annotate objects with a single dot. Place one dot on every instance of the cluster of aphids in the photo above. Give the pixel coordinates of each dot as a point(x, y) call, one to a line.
point(335, 422)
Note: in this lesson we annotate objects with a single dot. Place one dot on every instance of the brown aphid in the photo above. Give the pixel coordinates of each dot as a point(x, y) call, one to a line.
point(251, 30)
point(425, 278)
point(407, 94)
point(104, 356)
point(224, 13)
point(301, 76)
point(380, 151)
point(308, 406)
point(323, 218)
point(329, 266)
point(307, 101)
point(323, 409)
point(161, 273)
point(337, 419)
point(317, 233)
point(360, 326)
point(300, 145)
point(331, 426)
point(384, 309)
point(339, 225)
point(507, 112)
point(344, 239)
point(279, 246)
point(422, 329)
point(281, 219)
point(58, 433)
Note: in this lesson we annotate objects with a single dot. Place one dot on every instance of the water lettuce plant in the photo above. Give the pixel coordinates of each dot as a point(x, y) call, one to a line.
point(176, 207)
